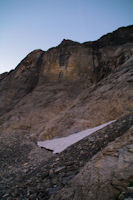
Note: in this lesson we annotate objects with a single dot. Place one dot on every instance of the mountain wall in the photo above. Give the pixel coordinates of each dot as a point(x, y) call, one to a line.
point(54, 93)
point(69, 88)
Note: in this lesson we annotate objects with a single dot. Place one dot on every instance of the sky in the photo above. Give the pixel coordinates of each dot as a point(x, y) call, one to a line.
point(26, 25)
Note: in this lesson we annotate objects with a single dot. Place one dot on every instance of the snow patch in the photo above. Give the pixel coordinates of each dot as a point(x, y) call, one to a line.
point(60, 144)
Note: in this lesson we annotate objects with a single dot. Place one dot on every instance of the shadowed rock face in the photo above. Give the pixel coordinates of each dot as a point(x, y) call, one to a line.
point(3, 75)
point(70, 87)
point(19, 82)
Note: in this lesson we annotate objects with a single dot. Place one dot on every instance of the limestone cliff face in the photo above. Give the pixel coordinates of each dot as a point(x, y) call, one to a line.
point(19, 82)
point(90, 61)
point(72, 60)
point(64, 90)
point(70, 87)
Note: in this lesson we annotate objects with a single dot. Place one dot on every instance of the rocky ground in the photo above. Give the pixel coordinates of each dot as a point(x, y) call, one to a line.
point(107, 176)
point(46, 179)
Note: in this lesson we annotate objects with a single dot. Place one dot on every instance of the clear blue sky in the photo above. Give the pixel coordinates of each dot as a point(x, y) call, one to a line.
point(26, 25)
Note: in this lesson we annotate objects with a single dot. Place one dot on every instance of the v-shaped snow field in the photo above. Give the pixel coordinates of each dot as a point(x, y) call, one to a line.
point(60, 144)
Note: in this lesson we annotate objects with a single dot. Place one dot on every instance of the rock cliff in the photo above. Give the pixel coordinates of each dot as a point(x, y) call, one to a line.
point(58, 92)
point(70, 87)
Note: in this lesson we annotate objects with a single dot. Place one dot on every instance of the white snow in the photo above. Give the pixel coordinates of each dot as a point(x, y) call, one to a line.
point(60, 144)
